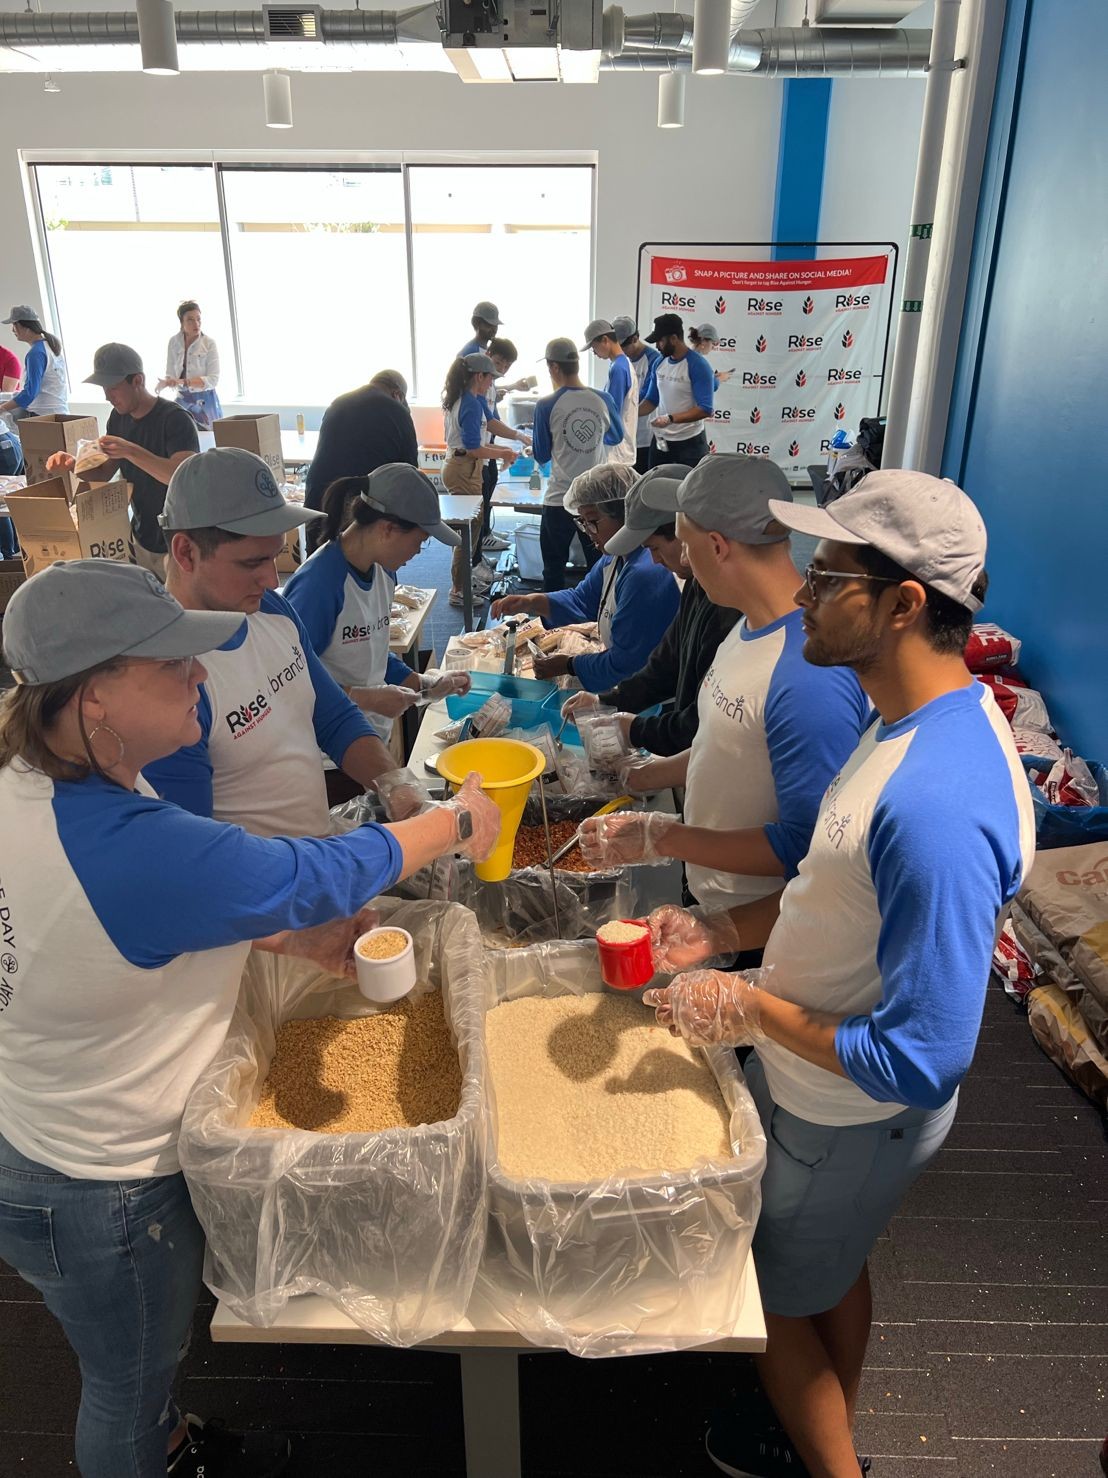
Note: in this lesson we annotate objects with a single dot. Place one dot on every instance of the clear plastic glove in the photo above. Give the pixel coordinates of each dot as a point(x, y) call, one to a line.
point(403, 794)
point(681, 937)
point(579, 703)
point(437, 685)
point(638, 776)
point(485, 815)
point(330, 946)
point(710, 1006)
point(388, 699)
point(624, 837)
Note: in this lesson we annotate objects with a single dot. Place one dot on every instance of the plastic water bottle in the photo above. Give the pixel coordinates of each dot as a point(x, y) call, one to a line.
point(535, 482)
point(300, 423)
point(839, 443)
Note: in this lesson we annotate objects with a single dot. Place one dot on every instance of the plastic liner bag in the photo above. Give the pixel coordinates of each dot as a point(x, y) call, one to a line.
point(631, 1264)
point(388, 1227)
point(1062, 1033)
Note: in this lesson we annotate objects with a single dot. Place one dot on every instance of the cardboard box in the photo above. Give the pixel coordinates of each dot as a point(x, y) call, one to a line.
point(11, 578)
point(42, 436)
point(292, 556)
point(259, 434)
point(97, 526)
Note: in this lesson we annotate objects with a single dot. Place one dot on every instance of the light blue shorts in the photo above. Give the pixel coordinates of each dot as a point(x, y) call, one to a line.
point(828, 1193)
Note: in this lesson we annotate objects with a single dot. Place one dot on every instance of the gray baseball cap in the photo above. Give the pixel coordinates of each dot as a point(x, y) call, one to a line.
point(735, 496)
point(561, 351)
point(488, 313)
point(594, 330)
point(624, 327)
point(77, 614)
point(404, 492)
point(23, 313)
point(926, 524)
point(707, 331)
point(479, 364)
point(232, 489)
point(112, 363)
point(651, 504)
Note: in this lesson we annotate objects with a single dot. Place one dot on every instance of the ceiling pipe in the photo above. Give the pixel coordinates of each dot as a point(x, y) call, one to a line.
point(799, 52)
point(114, 27)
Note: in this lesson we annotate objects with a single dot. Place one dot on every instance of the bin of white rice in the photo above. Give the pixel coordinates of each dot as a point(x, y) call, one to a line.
point(335, 1147)
point(624, 1167)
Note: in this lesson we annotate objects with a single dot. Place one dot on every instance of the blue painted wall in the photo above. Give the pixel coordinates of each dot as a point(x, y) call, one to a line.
point(801, 155)
point(1028, 433)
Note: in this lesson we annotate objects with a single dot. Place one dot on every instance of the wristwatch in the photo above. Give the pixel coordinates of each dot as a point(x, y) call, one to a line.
point(569, 667)
point(465, 825)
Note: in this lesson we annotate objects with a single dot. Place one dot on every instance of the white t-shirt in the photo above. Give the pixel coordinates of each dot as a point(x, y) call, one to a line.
point(772, 731)
point(676, 385)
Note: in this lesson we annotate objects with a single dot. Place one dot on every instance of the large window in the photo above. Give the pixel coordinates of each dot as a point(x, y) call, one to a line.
point(302, 274)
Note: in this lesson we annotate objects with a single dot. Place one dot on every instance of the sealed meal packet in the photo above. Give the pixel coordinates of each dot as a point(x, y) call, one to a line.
point(88, 457)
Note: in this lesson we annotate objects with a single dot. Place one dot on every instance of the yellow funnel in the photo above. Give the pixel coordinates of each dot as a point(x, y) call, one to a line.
point(507, 768)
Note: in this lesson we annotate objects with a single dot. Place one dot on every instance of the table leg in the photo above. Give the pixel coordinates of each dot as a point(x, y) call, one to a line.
point(490, 1412)
point(467, 566)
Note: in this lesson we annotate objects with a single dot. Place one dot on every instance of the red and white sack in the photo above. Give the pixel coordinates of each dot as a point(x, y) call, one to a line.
point(1068, 782)
point(1035, 742)
point(990, 648)
point(1022, 706)
point(1013, 964)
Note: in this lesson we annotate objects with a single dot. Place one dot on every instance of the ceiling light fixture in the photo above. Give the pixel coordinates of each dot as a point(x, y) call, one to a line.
point(277, 87)
point(671, 100)
point(711, 37)
point(49, 85)
point(157, 28)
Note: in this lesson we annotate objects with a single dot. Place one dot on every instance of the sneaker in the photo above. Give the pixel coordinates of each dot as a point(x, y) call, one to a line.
point(494, 544)
point(218, 1451)
point(746, 1453)
point(484, 574)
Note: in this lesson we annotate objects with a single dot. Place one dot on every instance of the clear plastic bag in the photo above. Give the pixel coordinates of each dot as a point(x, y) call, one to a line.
point(631, 1264)
point(602, 739)
point(388, 1227)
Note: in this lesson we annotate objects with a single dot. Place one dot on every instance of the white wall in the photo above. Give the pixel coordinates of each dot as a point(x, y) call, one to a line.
point(650, 183)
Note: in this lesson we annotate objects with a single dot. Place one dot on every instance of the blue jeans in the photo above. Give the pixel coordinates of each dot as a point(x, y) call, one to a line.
point(118, 1264)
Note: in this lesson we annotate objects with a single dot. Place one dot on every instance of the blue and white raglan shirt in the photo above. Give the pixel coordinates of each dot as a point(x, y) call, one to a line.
point(44, 390)
point(465, 423)
point(676, 385)
point(623, 390)
point(267, 707)
point(644, 600)
point(921, 842)
point(772, 732)
point(127, 923)
point(572, 428)
point(346, 615)
point(642, 367)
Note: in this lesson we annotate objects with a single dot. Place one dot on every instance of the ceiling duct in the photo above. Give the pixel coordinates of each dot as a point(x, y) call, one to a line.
point(292, 22)
point(116, 27)
point(802, 51)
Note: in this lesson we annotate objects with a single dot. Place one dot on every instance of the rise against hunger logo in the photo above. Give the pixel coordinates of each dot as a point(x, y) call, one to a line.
point(801, 379)
point(840, 411)
point(794, 449)
point(265, 484)
point(755, 416)
point(808, 306)
point(721, 306)
point(848, 340)
point(760, 344)
point(248, 715)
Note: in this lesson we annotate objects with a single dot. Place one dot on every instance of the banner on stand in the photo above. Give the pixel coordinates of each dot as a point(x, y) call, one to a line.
point(801, 349)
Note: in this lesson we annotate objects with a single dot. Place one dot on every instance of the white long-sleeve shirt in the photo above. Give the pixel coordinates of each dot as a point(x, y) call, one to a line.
point(203, 360)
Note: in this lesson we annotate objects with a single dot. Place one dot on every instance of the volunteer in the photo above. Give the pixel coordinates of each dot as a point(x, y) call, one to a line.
point(128, 922)
point(571, 430)
point(11, 370)
point(642, 357)
point(148, 438)
point(362, 430)
point(503, 354)
point(675, 668)
point(773, 730)
point(704, 339)
point(45, 387)
point(192, 364)
point(882, 950)
point(484, 321)
point(268, 705)
point(11, 465)
point(343, 594)
point(632, 599)
point(466, 406)
point(681, 384)
point(622, 386)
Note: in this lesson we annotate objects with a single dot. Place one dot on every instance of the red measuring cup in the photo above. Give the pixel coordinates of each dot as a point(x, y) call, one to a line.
point(628, 964)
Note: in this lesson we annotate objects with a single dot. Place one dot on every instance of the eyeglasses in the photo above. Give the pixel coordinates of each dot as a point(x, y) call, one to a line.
point(588, 525)
point(819, 582)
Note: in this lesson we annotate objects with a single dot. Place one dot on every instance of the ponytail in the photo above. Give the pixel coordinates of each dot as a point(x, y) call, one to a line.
point(36, 328)
point(457, 383)
point(344, 505)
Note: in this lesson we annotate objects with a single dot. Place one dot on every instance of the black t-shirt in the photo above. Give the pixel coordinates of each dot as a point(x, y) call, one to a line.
point(165, 429)
point(361, 431)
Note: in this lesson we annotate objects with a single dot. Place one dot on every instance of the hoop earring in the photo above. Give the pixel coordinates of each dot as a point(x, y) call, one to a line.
point(108, 730)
